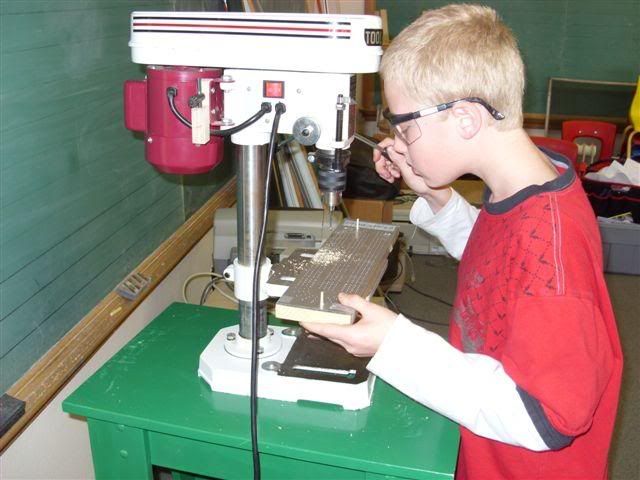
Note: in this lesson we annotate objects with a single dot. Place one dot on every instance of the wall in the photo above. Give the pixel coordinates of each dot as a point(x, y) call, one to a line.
point(79, 206)
point(587, 39)
point(56, 445)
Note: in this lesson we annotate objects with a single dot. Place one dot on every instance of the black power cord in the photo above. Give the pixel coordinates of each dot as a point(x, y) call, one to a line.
point(280, 109)
point(432, 297)
point(265, 108)
point(172, 92)
point(413, 319)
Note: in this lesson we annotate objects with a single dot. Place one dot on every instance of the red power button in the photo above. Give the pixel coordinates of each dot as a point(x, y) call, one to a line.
point(273, 89)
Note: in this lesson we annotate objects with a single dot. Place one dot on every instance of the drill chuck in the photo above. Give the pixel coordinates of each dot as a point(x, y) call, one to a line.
point(332, 174)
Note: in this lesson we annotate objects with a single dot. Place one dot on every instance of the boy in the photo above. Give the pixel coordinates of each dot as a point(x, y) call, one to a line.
point(533, 370)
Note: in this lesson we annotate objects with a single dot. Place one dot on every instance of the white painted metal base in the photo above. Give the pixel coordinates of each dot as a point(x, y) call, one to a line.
point(227, 373)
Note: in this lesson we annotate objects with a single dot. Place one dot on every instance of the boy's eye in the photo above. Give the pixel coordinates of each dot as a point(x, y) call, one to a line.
point(404, 127)
point(409, 129)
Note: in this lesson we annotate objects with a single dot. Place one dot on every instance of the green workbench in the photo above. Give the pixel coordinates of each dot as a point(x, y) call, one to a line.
point(146, 406)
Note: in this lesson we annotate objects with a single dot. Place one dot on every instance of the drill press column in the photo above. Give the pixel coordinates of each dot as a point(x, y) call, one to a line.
point(251, 184)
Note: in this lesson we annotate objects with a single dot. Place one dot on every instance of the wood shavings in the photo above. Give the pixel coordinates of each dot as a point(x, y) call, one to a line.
point(326, 257)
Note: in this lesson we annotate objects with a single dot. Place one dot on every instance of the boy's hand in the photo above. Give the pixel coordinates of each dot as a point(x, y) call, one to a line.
point(391, 170)
point(384, 167)
point(400, 166)
point(364, 337)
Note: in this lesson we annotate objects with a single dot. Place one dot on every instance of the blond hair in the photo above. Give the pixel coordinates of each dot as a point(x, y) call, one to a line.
point(455, 52)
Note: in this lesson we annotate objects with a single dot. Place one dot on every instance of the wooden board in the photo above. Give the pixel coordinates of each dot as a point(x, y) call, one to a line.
point(352, 260)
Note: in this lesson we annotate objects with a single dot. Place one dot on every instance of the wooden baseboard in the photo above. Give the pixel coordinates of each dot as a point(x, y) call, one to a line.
point(52, 372)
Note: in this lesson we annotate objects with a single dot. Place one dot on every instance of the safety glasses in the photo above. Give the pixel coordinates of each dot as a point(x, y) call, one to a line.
point(408, 130)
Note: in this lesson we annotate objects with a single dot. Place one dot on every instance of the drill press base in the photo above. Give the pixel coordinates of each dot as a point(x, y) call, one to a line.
point(227, 373)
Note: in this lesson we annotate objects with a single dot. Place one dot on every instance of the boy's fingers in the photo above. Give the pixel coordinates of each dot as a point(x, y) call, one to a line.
point(387, 142)
point(388, 167)
point(382, 165)
point(387, 146)
point(323, 329)
point(382, 169)
point(336, 333)
point(394, 170)
point(379, 156)
point(354, 301)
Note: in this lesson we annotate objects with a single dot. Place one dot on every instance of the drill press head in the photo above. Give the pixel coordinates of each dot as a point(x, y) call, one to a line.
point(332, 144)
point(310, 67)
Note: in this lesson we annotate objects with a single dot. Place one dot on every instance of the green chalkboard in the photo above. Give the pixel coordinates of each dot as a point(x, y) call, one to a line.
point(585, 39)
point(79, 206)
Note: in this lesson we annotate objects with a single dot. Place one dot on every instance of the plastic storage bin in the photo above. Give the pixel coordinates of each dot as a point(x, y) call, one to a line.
point(621, 247)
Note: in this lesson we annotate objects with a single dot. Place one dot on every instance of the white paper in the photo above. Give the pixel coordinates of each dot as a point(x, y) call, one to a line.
point(628, 174)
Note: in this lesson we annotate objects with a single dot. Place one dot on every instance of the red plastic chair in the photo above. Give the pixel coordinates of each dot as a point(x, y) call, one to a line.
point(563, 147)
point(603, 131)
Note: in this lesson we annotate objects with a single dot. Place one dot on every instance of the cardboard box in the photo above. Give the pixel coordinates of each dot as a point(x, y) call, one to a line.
point(380, 211)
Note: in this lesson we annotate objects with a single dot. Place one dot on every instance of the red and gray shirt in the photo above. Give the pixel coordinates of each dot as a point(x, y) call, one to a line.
point(533, 370)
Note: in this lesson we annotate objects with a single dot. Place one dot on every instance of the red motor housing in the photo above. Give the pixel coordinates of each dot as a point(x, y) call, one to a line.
point(168, 145)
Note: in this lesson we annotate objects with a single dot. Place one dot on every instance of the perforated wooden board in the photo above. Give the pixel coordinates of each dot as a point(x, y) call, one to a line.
point(352, 260)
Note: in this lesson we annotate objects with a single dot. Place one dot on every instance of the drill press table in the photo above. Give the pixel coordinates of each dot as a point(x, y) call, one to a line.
point(146, 406)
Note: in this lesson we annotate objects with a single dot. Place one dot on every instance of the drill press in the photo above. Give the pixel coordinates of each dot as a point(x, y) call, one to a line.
point(307, 62)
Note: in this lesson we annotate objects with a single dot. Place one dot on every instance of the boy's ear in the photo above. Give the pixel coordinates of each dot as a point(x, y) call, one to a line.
point(468, 119)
